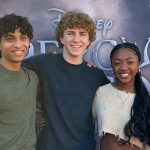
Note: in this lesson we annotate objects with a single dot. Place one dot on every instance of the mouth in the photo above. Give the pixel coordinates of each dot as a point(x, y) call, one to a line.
point(76, 46)
point(18, 52)
point(124, 75)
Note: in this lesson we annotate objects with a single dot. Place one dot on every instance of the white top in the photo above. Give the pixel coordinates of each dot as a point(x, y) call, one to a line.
point(112, 109)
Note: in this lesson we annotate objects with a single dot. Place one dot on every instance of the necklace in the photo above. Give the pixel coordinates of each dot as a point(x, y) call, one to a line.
point(122, 98)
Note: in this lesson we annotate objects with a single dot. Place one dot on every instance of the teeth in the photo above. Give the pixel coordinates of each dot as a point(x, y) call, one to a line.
point(124, 75)
point(75, 46)
point(19, 52)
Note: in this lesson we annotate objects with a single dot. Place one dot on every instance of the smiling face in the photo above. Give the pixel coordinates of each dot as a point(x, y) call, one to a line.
point(14, 47)
point(75, 42)
point(125, 65)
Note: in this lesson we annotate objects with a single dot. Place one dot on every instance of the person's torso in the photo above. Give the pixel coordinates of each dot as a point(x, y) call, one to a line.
point(17, 109)
point(68, 94)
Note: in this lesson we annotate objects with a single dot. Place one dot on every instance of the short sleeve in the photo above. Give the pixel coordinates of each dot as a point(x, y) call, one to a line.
point(94, 106)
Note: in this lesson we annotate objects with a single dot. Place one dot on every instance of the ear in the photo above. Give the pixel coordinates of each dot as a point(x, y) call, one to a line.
point(88, 44)
point(61, 40)
point(138, 69)
point(139, 63)
point(113, 73)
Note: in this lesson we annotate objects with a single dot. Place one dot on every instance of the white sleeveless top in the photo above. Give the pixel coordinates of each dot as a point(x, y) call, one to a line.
point(111, 109)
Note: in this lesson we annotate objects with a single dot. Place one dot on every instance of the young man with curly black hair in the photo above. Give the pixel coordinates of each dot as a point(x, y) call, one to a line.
point(18, 85)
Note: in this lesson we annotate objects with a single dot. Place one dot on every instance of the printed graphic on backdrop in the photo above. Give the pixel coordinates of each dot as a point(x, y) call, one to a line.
point(117, 22)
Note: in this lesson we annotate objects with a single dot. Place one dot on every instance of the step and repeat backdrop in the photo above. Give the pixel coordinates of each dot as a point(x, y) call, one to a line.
point(116, 22)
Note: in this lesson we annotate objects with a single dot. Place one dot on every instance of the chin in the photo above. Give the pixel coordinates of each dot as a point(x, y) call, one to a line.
point(18, 60)
point(76, 54)
point(125, 82)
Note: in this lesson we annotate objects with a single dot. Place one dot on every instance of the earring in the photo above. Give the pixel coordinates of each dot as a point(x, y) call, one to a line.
point(113, 77)
point(139, 70)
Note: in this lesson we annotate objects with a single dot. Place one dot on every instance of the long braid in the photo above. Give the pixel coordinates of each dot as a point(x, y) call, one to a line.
point(138, 125)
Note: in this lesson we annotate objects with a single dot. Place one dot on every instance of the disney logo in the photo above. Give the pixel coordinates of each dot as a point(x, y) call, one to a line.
point(101, 24)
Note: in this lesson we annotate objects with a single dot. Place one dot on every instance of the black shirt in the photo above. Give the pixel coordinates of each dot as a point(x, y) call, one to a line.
point(68, 92)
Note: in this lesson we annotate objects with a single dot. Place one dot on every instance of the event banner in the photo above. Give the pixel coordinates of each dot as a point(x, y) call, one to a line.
point(116, 22)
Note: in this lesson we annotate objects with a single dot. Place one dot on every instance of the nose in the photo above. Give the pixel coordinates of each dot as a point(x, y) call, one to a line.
point(76, 38)
point(18, 43)
point(123, 66)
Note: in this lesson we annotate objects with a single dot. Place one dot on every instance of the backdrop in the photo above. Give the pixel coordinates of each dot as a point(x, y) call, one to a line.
point(116, 21)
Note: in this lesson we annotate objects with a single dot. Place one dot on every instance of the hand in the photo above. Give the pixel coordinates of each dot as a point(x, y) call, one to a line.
point(90, 63)
point(40, 122)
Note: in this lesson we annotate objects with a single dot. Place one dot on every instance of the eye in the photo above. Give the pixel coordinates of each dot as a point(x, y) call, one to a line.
point(9, 39)
point(116, 63)
point(70, 33)
point(130, 62)
point(83, 34)
point(24, 37)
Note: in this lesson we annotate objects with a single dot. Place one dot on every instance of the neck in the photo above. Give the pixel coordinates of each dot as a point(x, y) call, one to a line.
point(72, 59)
point(128, 88)
point(11, 67)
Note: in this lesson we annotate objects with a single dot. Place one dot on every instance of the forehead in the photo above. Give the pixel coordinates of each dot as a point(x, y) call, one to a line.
point(17, 32)
point(76, 30)
point(125, 52)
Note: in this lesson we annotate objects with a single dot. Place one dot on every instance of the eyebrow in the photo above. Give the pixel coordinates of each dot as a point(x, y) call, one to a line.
point(127, 58)
point(84, 32)
point(8, 35)
point(74, 31)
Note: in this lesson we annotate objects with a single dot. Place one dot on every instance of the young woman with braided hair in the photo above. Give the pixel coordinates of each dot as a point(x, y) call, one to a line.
point(122, 108)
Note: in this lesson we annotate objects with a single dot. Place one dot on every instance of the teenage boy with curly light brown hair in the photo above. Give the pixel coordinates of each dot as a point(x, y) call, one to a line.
point(69, 86)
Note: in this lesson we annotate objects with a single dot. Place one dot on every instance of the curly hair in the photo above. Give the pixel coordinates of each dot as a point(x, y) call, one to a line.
point(76, 19)
point(11, 22)
point(139, 123)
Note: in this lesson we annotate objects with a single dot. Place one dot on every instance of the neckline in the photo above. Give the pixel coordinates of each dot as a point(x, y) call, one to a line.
point(114, 87)
point(9, 71)
point(69, 64)
point(123, 96)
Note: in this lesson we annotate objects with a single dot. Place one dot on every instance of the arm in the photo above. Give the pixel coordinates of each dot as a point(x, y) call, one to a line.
point(103, 79)
point(32, 63)
point(94, 105)
point(93, 109)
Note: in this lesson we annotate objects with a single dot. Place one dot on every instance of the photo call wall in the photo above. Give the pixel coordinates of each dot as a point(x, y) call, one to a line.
point(116, 22)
